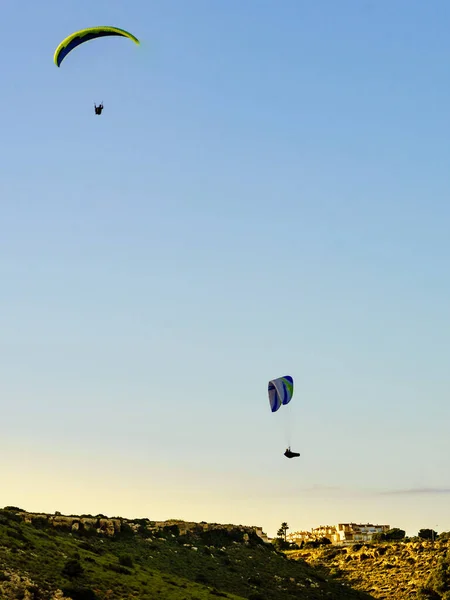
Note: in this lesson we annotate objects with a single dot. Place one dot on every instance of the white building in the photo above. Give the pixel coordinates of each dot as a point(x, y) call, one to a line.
point(342, 533)
point(356, 532)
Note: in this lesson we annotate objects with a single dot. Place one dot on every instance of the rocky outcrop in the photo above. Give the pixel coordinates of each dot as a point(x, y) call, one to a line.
point(185, 527)
point(101, 525)
point(114, 526)
point(15, 585)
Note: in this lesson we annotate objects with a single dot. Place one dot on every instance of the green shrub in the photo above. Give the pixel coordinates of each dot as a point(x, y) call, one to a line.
point(17, 534)
point(425, 593)
point(395, 534)
point(126, 531)
point(118, 569)
point(79, 593)
point(325, 541)
point(427, 534)
point(143, 527)
point(85, 546)
point(35, 593)
point(85, 531)
point(439, 579)
point(40, 522)
point(221, 537)
point(172, 529)
point(72, 568)
point(42, 534)
point(126, 561)
point(280, 544)
point(8, 516)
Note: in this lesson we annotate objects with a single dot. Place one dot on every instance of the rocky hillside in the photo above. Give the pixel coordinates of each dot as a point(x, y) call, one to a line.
point(103, 525)
point(397, 571)
point(51, 557)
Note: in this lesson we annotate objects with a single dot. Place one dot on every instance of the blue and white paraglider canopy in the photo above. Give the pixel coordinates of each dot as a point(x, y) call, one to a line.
point(281, 391)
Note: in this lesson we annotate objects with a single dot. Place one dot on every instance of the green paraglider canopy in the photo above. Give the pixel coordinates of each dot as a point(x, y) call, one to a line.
point(85, 35)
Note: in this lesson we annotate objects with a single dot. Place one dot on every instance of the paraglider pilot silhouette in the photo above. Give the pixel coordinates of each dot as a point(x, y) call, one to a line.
point(281, 391)
point(98, 109)
point(290, 454)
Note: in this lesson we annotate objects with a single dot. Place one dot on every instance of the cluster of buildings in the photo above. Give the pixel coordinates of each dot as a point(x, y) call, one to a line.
point(342, 533)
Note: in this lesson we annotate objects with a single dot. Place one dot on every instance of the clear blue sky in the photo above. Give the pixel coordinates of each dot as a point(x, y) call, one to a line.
point(266, 193)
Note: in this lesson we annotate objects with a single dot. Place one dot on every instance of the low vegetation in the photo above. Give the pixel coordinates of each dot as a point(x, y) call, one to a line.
point(416, 568)
point(43, 561)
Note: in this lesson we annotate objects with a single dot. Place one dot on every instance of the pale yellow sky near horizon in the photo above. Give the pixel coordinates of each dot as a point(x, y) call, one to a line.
point(41, 482)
